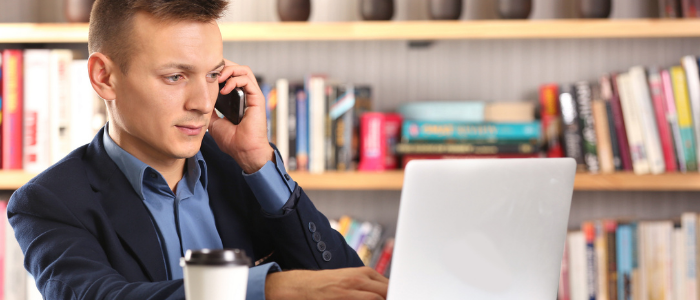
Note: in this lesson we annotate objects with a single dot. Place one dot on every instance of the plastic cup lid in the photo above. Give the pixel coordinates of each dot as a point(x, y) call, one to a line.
point(218, 257)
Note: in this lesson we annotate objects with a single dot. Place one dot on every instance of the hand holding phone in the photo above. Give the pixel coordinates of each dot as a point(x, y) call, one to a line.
point(232, 106)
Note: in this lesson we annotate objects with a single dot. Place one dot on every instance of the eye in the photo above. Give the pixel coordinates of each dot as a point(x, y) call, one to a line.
point(174, 78)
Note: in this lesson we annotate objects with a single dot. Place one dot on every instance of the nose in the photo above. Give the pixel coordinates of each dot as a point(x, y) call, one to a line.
point(201, 97)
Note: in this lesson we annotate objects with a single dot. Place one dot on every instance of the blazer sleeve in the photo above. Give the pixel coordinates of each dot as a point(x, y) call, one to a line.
point(66, 259)
point(305, 240)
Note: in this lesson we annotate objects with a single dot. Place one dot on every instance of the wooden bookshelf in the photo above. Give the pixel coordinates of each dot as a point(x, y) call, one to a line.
point(393, 180)
point(398, 30)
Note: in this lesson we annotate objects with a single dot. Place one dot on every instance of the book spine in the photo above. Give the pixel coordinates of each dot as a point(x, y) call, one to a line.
point(689, 9)
point(620, 128)
point(606, 93)
point(441, 131)
point(679, 263)
point(466, 148)
point(385, 258)
point(551, 120)
point(690, 65)
point(12, 109)
point(591, 266)
point(329, 139)
point(36, 111)
point(573, 141)
point(657, 95)
point(650, 131)
point(317, 136)
point(563, 292)
point(577, 266)
point(292, 128)
point(59, 138)
point(601, 260)
point(372, 142)
point(611, 236)
point(392, 131)
point(266, 89)
point(409, 157)
point(584, 100)
point(363, 104)
point(633, 125)
point(689, 222)
point(672, 117)
point(624, 262)
point(3, 231)
point(343, 114)
point(605, 152)
point(457, 111)
point(1, 95)
point(685, 118)
point(669, 9)
point(282, 131)
point(15, 276)
point(302, 137)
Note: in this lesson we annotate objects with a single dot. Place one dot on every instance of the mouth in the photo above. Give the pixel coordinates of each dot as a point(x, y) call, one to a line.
point(190, 129)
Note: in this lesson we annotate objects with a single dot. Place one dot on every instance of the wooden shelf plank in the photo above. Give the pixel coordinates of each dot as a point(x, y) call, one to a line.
point(393, 180)
point(399, 30)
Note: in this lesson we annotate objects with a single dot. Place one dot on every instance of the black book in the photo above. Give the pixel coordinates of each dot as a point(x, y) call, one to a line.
point(573, 141)
point(584, 99)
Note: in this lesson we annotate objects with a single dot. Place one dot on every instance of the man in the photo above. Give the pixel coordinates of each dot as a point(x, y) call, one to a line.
point(112, 219)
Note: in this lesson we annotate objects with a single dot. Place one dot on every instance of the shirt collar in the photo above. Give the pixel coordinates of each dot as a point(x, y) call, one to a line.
point(134, 169)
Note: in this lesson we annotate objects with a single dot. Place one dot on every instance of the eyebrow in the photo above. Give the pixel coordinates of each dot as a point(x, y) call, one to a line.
point(186, 67)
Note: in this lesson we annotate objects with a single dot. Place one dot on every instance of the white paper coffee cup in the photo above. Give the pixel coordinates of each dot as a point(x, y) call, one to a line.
point(215, 274)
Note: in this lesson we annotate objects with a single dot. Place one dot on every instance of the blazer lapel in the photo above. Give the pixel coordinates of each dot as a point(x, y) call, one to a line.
point(125, 210)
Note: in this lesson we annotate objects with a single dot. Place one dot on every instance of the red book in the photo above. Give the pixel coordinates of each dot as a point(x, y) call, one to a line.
point(3, 224)
point(622, 142)
point(392, 131)
point(372, 142)
point(563, 293)
point(690, 9)
point(551, 119)
point(385, 257)
point(12, 109)
point(410, 157)
point(659, 102)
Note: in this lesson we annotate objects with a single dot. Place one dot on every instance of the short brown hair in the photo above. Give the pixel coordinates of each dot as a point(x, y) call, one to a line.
point(111, 21)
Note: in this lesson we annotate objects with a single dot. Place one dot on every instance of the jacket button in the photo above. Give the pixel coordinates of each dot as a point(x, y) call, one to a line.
point(321, 246)
point(316, 236)
point(327, 256)
point(312, 227)
point(286, 176)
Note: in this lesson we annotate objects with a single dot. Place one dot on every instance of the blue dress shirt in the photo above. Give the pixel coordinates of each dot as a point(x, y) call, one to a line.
point(183, 220)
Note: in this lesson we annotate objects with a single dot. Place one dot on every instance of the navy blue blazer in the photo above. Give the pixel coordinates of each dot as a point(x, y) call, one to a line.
point(86, 234)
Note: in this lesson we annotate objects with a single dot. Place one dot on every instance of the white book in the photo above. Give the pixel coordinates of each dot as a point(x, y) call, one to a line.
point(317, 128)
point(36, 149)
point(663, 232)
point(59, 104)
point(601, 258)
point(578, 286)
point(282, 130)
point(689, 223)
point(678, 264)
point(690, 64)
point(633, 127)
point(643, 260)
point(650, 130)
point(82, 105)
point(15, 278)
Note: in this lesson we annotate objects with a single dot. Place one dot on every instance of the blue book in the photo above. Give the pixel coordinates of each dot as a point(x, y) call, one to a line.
point(302, 130)
point(624, 261)
point(493, 132)
point(455, 111)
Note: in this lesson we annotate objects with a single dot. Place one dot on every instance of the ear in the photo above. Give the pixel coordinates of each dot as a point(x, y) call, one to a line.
point(101, 70)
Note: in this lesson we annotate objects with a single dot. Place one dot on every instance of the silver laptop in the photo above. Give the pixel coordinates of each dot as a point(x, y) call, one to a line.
point(482, 229)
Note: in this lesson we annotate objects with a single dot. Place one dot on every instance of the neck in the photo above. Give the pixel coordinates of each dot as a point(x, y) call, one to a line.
point(171, 168)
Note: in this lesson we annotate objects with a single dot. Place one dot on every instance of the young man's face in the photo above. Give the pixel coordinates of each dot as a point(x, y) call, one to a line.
point(165, 101)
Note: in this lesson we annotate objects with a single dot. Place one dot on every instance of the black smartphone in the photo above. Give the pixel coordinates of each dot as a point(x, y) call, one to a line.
point(232, 106)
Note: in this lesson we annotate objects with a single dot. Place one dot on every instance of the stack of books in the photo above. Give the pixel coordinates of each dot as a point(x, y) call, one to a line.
point(48, 107)
point(622, 260)
point(469, 129)
point(646, 120)
point(367, 240)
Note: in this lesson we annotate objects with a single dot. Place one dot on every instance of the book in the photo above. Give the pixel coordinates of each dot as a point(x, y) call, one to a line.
point(14, 274)
point(59, 104)
point(625, 251)
point(602, 130)
point(385, 257)
point(620, 129)
point(467, 148)
point(331, 90)
point(509, 112)
point(563, 291)
point(302, 136)
point(679, 263)
point(1, 84)
point(372, 142)
point(392, 133)
point(551, 120)
point(670, 9)
point(3, 231)
point(689, 223)
point(650, 131)
point(610, 227)
point(84, 114)
point(409, 157)
point(578, 285)
point(454, 111)
point(591, 263)
point(571, 126)
point(316, 125)
point(610, 134)
point(690, 65)
point(660, 113)
point(689, 8)
point(601, 259)
point(441, 131)
point(342, 113)
point(685, 118)
point(363, 104)
point(292, 128)
point(282, 122)
point(584, 99)
point(36, 146)
point(672, 117)
point(12, 109)
point(633, 126)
